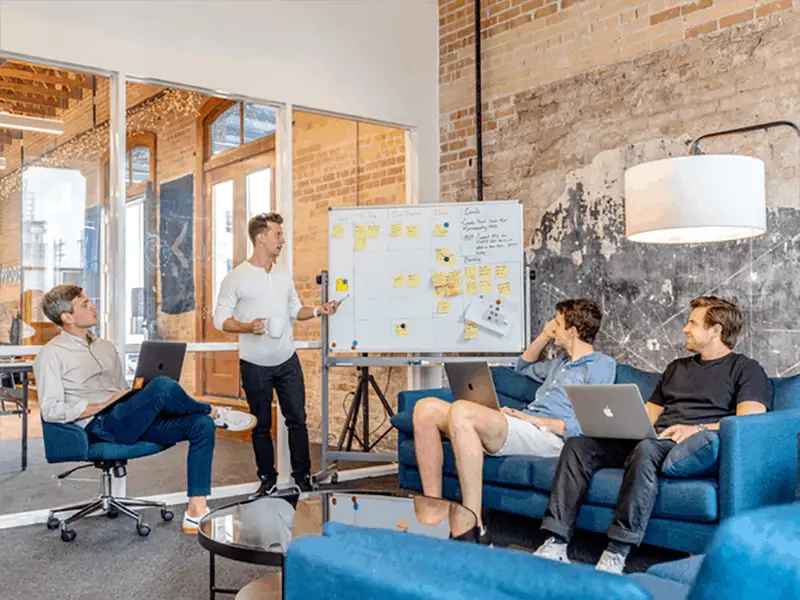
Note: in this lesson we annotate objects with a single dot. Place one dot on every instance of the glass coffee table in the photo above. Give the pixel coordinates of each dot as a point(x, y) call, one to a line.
point(259, 531)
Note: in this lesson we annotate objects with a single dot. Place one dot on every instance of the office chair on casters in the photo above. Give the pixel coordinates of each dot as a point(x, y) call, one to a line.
point(65, 442)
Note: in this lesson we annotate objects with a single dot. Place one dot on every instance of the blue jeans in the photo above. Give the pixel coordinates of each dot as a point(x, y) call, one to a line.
point(163, 413)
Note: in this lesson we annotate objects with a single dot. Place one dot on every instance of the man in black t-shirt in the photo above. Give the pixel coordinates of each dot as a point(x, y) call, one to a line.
point(693, 395)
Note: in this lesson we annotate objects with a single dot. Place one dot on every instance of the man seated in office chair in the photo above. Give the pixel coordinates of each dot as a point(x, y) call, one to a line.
point(538, 430)
point(693, 395)
point(79, 375)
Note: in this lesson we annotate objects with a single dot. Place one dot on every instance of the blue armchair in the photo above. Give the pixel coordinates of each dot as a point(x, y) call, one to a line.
point(758, 467)
point(65, 442)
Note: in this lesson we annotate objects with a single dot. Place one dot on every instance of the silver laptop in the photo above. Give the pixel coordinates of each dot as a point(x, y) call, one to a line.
point(472, 381)
point(613, 411)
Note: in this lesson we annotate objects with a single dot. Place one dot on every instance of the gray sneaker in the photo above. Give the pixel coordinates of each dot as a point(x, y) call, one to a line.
point(552, 549)
point(611, 563)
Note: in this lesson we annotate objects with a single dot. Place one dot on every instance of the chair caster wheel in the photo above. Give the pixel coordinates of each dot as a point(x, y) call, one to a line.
point(53, 523)
point(112, 513)
point(143, 529)
point(67, 535)
point(167, 514)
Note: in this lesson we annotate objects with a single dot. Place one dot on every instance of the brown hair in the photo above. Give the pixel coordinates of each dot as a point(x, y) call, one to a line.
point(58, 301)
point(723, 313)
point(260, 223)
point(582, 314)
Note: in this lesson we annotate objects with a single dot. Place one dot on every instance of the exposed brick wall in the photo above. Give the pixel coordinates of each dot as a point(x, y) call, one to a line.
point(528, 43)
point(338, 163)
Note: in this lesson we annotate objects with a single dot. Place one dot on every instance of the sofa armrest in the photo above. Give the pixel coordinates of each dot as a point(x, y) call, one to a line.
point(64, 442)
point(758, 460)
point(407, 399)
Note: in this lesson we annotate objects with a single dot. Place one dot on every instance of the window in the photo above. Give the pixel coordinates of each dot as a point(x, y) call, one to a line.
point(241, 124)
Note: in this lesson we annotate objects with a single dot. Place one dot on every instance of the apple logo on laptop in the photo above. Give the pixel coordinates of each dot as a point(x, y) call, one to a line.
point(607, 412)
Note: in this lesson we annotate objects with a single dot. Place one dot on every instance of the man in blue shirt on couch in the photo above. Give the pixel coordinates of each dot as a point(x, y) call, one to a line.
point(692, 396)
point(538, 430)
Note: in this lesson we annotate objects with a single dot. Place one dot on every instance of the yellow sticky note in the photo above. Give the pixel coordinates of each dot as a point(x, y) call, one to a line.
point(398, 281)
point(361, 242)
point(443, 307)
point(471, 272)
point(400, 330)
point(338, 231)
point(486, 285)
point(486, 271)
point(438, 278)
point(373, 231)
point(504, 289)
point(413, 280)
point(342, 285)
point(412, 231)
point(440, 230)
point(443, 257)
point(472, 287)
point(501, 271)
point(395, 229)
point(360, 231)
point(470, 331)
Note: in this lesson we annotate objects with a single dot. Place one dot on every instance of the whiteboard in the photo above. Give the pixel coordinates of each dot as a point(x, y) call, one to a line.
point(427, 278)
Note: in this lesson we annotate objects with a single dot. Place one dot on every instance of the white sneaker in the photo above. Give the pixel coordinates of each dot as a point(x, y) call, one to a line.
point(191, 524)
point(234, 420)
point(611, 563)
point(553, 550)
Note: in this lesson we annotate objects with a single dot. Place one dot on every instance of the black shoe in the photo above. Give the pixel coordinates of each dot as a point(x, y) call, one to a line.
point(304, 483)
point(476, 535)
point(267, 488)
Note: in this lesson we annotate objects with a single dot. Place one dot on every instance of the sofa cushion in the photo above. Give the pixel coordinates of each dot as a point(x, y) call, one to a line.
point(697, 456)
point(786, 393)
point(404, 421)
point(682, 499)
point(646, 381)
point(510, 471)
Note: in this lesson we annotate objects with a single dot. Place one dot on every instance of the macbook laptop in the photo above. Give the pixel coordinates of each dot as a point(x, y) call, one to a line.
point(613, 411)
point(157, 359)
point(472, 381)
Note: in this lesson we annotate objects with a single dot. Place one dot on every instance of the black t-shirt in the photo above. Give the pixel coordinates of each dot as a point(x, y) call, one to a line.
point(694, 391)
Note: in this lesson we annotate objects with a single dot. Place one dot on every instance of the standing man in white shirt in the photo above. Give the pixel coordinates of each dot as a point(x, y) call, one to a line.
point(258, 301)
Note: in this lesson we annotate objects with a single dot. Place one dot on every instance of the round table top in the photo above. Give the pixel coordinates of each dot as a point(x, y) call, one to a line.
point(259, 530)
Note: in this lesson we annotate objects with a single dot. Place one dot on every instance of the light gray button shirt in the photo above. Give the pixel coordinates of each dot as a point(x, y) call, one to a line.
point(72, 373)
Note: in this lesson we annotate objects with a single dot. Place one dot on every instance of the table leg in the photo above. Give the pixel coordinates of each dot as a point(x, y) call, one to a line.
point(24, 421)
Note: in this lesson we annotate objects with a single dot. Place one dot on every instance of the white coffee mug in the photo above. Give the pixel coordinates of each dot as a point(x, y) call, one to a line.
point(275, 327)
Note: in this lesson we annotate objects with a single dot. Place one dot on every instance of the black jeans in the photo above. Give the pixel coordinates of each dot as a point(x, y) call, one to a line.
point(287, 380)
point(581, 457)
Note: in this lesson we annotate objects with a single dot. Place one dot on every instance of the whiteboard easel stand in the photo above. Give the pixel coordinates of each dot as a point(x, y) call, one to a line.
point(330, 469)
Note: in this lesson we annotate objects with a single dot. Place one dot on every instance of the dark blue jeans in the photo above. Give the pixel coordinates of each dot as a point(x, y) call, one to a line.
point(163, 413)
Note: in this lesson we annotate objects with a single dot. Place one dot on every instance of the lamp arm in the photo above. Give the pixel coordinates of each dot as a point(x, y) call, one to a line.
point(694, 148)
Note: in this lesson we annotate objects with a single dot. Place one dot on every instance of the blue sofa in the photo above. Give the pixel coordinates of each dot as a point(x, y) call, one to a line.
point(754, 556)
point(758, 467)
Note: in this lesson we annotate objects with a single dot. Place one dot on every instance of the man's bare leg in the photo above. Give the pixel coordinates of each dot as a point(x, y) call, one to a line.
point(473, 429)
point(430, 422)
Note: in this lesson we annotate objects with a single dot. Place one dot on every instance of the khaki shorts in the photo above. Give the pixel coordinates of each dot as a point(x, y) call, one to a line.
point(526, 438)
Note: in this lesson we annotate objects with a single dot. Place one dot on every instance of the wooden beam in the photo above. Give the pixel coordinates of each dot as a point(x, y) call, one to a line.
point(33, 88)
point(34, 99)
point(29, 73)
point(26, 109)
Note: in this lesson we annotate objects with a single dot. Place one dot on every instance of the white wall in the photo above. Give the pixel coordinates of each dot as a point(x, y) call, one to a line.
point(377, 59)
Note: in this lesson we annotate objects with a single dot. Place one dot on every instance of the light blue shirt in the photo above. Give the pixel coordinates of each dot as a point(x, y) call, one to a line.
point(551, 397)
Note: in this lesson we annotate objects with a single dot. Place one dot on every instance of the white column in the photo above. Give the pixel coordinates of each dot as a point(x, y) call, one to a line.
point(283, 184)
point(115, 246)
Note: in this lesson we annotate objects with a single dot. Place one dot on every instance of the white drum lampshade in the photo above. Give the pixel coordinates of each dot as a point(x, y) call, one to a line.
point(692, 199)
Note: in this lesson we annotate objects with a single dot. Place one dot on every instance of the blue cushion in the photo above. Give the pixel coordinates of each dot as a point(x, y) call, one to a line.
point(512, 471)
point(646, 381)
point(106, 451)
point(404, 421)
point(661, 589)
point(682, 571)
point(786, 393)
point(683, 499)
point(697, 456)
